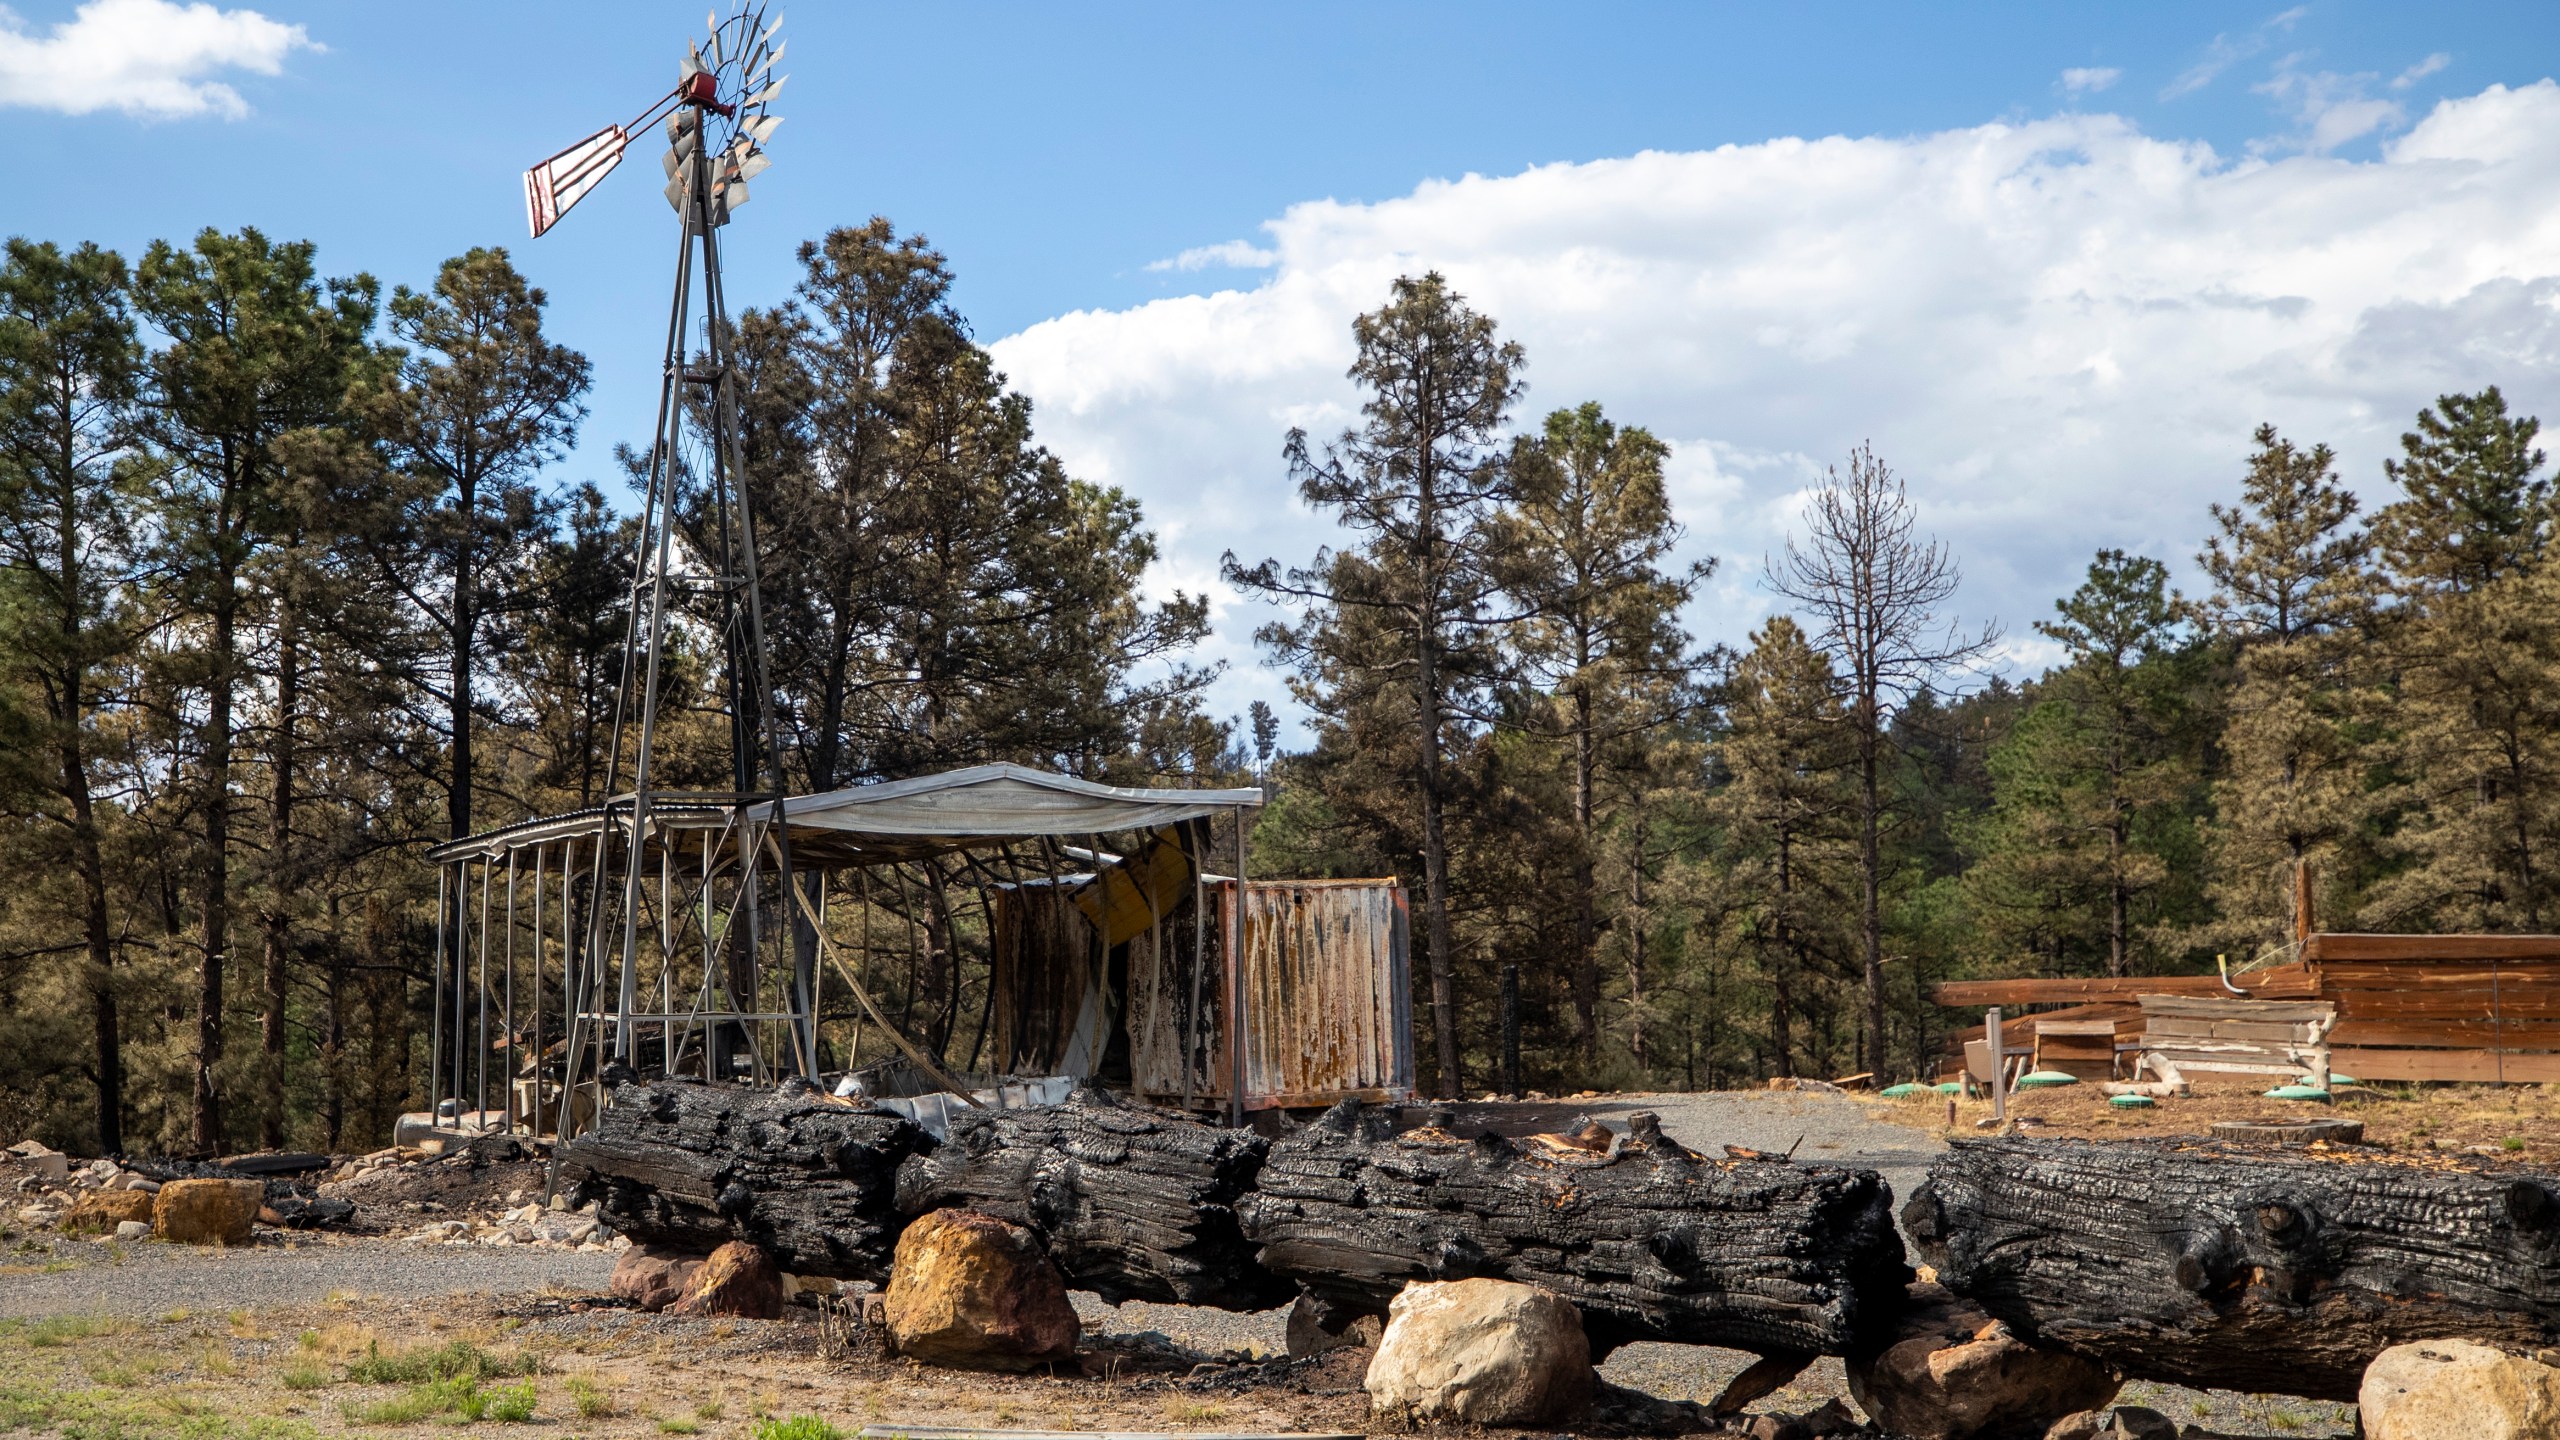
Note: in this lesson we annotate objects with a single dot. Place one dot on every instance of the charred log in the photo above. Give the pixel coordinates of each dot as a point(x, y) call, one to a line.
point(2245, 1268)
point(1133, 1203)
point(1652, 1241)
point(809, 1178)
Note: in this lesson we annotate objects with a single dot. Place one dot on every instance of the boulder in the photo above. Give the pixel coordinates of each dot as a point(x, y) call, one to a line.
point(104, 1210)
point(1950, 1372)
point(134, 1230)
point(2458, 1390)
point(738, 1281)
point(1316, 1327)
point(651, 1277)
point(1480, 1352)
point(969, 1290)
point(48, 1163)
point(206, 1212)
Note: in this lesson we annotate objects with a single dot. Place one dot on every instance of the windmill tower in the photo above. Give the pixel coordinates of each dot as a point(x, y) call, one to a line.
point(663, 894)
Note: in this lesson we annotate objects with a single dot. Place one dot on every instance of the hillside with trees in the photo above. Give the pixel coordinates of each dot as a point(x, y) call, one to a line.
point(299, 577)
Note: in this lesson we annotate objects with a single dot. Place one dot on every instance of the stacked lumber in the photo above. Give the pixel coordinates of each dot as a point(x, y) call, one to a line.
point(1650, 1240)
point(2442, 1007)
point(2215, 1265)
point(1134, 1203)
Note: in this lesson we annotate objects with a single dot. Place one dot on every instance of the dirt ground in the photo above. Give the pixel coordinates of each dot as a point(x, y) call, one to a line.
point(2518, 1124)
point(563, 1364)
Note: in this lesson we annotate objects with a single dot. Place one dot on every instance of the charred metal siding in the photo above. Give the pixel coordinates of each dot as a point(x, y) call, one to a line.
point(1327, 990)
point(1328, 1007)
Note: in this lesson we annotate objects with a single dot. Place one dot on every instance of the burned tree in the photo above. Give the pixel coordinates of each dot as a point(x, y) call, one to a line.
point(2209, 1264)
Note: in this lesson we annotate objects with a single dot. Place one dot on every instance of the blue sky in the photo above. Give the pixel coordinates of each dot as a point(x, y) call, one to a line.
point(1065, 155)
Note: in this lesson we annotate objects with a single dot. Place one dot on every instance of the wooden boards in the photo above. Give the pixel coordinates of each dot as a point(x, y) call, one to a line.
point(2241, 1267)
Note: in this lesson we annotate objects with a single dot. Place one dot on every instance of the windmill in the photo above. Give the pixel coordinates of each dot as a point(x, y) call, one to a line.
point(652, 862)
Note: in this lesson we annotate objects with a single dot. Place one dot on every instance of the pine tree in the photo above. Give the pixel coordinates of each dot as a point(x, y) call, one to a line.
point(2477, 646)
point(1404, 621)
point(69, 502)
point(1789, 814)
point(258, 348)
point(2294, 594)
point(1580, 550)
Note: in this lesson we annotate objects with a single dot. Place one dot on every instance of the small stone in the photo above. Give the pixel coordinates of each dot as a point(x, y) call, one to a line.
point(1316, 1327)
point(132, 1230)
point(207, 1212)
point(1951, 1372)
point(737, 1281)
point(2458, 1390)
point(105, 1210)
point(971, 1291)
point(652, 1278)
point(1776, 1427)
point(1480, 1352)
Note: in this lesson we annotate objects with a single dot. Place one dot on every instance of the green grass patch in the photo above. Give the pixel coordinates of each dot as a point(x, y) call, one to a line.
point(459, 1398)
point(679, 1427)
point(306, 1377)
point(56, 1331)
point(592, 1403)
point(47, 1409)
point(512, 1404)
point(798, 1427)
point(460, 1360)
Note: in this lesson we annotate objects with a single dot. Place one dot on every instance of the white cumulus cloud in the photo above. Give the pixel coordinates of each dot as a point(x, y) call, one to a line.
point(143, 57)
point(2089, 79)
point(2061, 331)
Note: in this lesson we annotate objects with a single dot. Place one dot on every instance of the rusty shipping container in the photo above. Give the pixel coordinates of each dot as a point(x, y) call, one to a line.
point(1323, 976)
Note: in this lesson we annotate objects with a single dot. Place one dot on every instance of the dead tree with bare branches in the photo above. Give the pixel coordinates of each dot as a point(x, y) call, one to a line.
point(1875, 590)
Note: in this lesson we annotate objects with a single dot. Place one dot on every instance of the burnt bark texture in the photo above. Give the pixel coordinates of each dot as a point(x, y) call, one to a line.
point(1650, 1240)
point(1132, 1202)
point(2252, 1268)
point(809, 1178)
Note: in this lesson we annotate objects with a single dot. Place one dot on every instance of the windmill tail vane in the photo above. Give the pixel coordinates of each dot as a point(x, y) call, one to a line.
point(735, 83)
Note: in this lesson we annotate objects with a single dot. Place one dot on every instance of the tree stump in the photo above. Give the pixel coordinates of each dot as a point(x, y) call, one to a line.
point(2208, 1264)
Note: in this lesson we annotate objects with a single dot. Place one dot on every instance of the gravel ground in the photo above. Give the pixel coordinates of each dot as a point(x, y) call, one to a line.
point(152, 1279)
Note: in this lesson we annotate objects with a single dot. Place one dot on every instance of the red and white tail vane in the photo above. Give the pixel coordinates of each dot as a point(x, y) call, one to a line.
point(723, 90)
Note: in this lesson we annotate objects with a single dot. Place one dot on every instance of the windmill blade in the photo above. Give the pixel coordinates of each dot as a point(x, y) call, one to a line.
point(761, 128)
point(719, 56)
point(560, 182)
point(754, 163)
point(765, 94)
point(692, 64)
point(768, 61)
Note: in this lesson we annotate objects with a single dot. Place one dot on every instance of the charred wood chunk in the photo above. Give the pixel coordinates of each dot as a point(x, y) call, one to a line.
point(808, 1178)
point(1132, 1202)
point(1652, 1241)
point(2244, 1268)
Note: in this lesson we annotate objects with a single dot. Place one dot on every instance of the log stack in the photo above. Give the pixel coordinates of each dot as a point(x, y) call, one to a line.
point(1132, 1202)
point(2204, 1263)
point(810, 1178)
point(1652, 1241)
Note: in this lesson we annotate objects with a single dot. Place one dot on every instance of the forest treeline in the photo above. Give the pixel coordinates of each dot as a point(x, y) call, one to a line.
point(297, 578)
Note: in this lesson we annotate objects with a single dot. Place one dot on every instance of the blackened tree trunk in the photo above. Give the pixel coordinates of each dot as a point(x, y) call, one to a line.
point(2243, 1268)
point(1650, 1240)
point(1133, 1203)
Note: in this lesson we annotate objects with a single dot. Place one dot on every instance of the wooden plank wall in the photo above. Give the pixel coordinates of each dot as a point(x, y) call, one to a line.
point(2481, 1008)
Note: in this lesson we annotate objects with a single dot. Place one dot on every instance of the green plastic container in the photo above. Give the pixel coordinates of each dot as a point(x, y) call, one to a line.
point(1903, 1091)
point(1950, 1087)
point(2039, 1079)
point(2336, 1079)
point(2298, 1092)
point(2131, 1102)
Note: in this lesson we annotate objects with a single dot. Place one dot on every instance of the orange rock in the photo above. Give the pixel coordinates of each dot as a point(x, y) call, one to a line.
point(206, 1212)
point(738, 1280)
point(104, 1210)
point(969, 1290)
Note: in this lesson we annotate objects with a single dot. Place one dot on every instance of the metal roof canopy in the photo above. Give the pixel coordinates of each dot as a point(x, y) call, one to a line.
point(984, 805)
